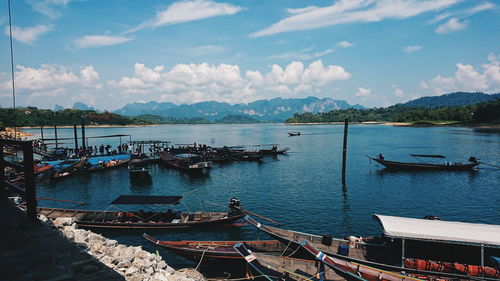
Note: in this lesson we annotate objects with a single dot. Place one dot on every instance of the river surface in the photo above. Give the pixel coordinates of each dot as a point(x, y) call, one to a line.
point(303, 189)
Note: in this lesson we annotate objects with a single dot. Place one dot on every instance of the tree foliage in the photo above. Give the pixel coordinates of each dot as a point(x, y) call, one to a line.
point(32, 116)
point(477, 113)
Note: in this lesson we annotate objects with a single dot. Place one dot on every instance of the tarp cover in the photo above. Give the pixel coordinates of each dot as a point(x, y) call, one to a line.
point(441, 231)
point(146, 200)
point(428, 155)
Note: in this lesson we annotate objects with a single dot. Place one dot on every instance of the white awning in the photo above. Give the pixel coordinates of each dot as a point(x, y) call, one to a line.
point(451, 232)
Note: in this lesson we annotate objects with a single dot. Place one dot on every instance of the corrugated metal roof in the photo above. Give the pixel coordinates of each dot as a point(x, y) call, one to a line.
point(441, 231)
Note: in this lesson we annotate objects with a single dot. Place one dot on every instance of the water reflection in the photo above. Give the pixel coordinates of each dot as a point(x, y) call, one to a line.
point(140, 181)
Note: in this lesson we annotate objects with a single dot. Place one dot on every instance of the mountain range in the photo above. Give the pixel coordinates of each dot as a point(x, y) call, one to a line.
point(273, 110)
point(452, 99)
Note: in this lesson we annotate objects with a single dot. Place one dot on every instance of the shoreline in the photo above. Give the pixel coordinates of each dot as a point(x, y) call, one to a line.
point(20, 133)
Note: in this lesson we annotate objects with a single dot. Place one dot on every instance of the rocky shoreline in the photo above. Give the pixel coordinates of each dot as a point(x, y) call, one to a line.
point(133, 263)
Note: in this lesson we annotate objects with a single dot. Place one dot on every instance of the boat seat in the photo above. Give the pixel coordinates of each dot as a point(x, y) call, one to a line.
point(184, 217)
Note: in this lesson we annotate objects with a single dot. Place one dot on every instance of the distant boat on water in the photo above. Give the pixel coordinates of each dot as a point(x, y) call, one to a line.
point(292, 134)
point(447, 166)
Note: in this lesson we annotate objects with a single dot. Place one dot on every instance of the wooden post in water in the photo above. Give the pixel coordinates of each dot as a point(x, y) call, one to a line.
point(55, 135)
point(41, 132)
point(344, 150)
point(75, 133)
point(83, 134)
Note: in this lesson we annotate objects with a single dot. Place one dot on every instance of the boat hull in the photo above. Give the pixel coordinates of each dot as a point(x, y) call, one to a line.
point(112, 220)
point(394, 165)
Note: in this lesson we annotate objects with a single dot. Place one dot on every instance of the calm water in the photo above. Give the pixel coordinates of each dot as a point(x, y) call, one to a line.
point(303, 189)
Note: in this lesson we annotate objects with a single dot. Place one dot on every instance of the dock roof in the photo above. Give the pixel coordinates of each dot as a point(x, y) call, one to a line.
point(450, 232)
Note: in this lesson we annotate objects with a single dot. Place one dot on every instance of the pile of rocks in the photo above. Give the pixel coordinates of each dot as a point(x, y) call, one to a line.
point(133, 263)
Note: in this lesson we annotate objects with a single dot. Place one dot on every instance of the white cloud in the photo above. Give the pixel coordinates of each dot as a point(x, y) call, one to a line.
point(201, 82)
point(50, 8)
point(398, 92)
point(96, 41)
point(28, 35)
point(304, 54)
point(207, 49)
point(479, 8)
point(186, 11)
point(412, 49)
point(354, 11)
point(363, 93)
point(463, 13)
point(301, 10)
point(344, 44)
point(50, 79)
point(467, 78)
point(451, 25)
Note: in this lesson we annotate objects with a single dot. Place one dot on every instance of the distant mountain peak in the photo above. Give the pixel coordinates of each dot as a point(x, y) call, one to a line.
point(82, 106)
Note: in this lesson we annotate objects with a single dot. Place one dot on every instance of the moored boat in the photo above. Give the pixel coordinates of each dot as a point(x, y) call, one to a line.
point(217, 251)
point(138, 165)
point(103, 219)
point(101, 163)
point(185, 161)
point(284, 268)
point(456, 242)
point(447, 166)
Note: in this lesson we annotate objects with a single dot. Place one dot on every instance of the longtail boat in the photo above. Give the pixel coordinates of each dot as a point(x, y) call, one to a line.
point(138, 165)
point(144, 220)
point(354, 269)
point(447, 166)
point(293, 134)
point(457, 242)
point(100, 163)
point(218, 251)
point(185, 162)
point(283, 268)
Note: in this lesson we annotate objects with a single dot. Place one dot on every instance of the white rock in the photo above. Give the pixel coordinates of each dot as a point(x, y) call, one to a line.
point(62, 221)
point(162, 264)
point(110, 243)
point(124, 264)
point(131, 270)
point(96, 247)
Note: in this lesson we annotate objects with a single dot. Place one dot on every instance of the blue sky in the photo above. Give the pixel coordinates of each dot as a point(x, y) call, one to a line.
point(373, 52)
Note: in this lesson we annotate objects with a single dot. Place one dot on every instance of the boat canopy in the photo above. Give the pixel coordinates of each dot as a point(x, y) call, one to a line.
point(428, 155)
point(146, 200)
point(450, 232)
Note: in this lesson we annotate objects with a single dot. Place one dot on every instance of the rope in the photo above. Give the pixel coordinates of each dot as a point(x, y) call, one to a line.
point(290, 241)
point(201, 259)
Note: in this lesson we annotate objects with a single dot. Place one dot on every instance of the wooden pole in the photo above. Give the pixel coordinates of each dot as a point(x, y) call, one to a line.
point(55, 135)
point(83, 134)
point(41, 132)
point(75, 133)
point(29, 178)
point(344, 150)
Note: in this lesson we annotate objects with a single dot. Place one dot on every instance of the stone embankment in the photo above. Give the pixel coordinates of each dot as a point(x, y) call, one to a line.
point(134, 263)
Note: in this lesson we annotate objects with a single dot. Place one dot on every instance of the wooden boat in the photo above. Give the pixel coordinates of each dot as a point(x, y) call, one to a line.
point(185, 162)
point(274, 150)
point(354, 269)
point(284, 268)
point(217, 251)
point(447, 166)
point(101, 163)
point(292, 134)
point(138, 165)
point(144, 220)
point(465, 243)
point(369, 249)
point(63, 168)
